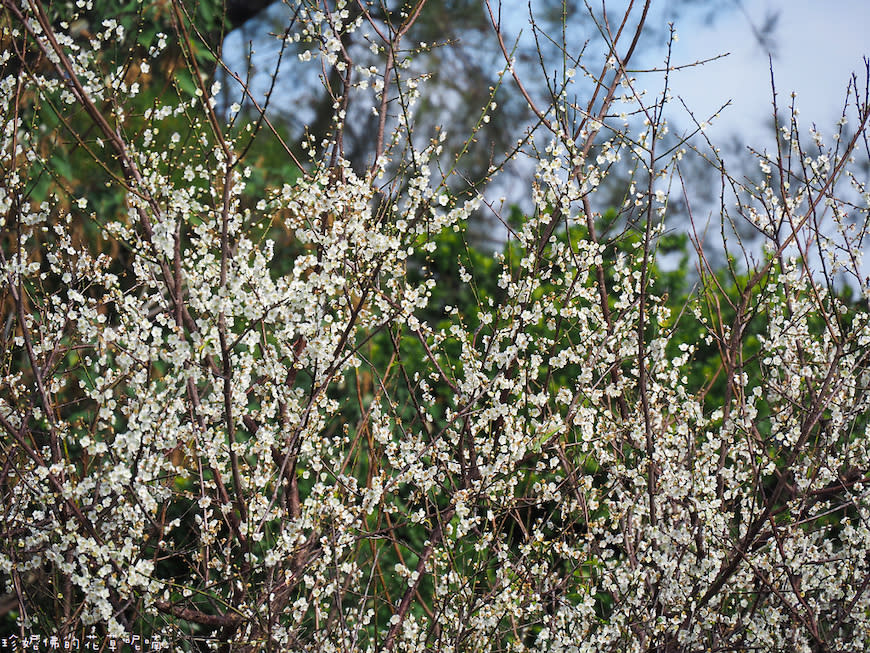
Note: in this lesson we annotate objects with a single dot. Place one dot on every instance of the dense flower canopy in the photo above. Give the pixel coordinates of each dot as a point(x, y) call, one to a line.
point(303, 414)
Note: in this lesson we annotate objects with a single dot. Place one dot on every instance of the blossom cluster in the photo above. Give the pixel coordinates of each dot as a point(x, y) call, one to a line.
point(245, 415)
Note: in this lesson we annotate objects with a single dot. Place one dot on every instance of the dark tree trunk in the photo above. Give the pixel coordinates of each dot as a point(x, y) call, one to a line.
point(240, 11)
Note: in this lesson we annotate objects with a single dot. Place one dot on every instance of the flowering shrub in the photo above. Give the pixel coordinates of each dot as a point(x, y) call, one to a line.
point(256, 418)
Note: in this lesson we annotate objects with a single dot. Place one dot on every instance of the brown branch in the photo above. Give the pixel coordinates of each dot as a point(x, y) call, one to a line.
point(212, 621)
point(434, 539)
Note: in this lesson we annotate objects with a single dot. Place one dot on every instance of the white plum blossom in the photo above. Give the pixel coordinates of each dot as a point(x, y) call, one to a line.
point(272, 417)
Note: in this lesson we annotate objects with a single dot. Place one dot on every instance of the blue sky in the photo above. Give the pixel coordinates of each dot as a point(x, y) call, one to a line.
point(818, 46)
